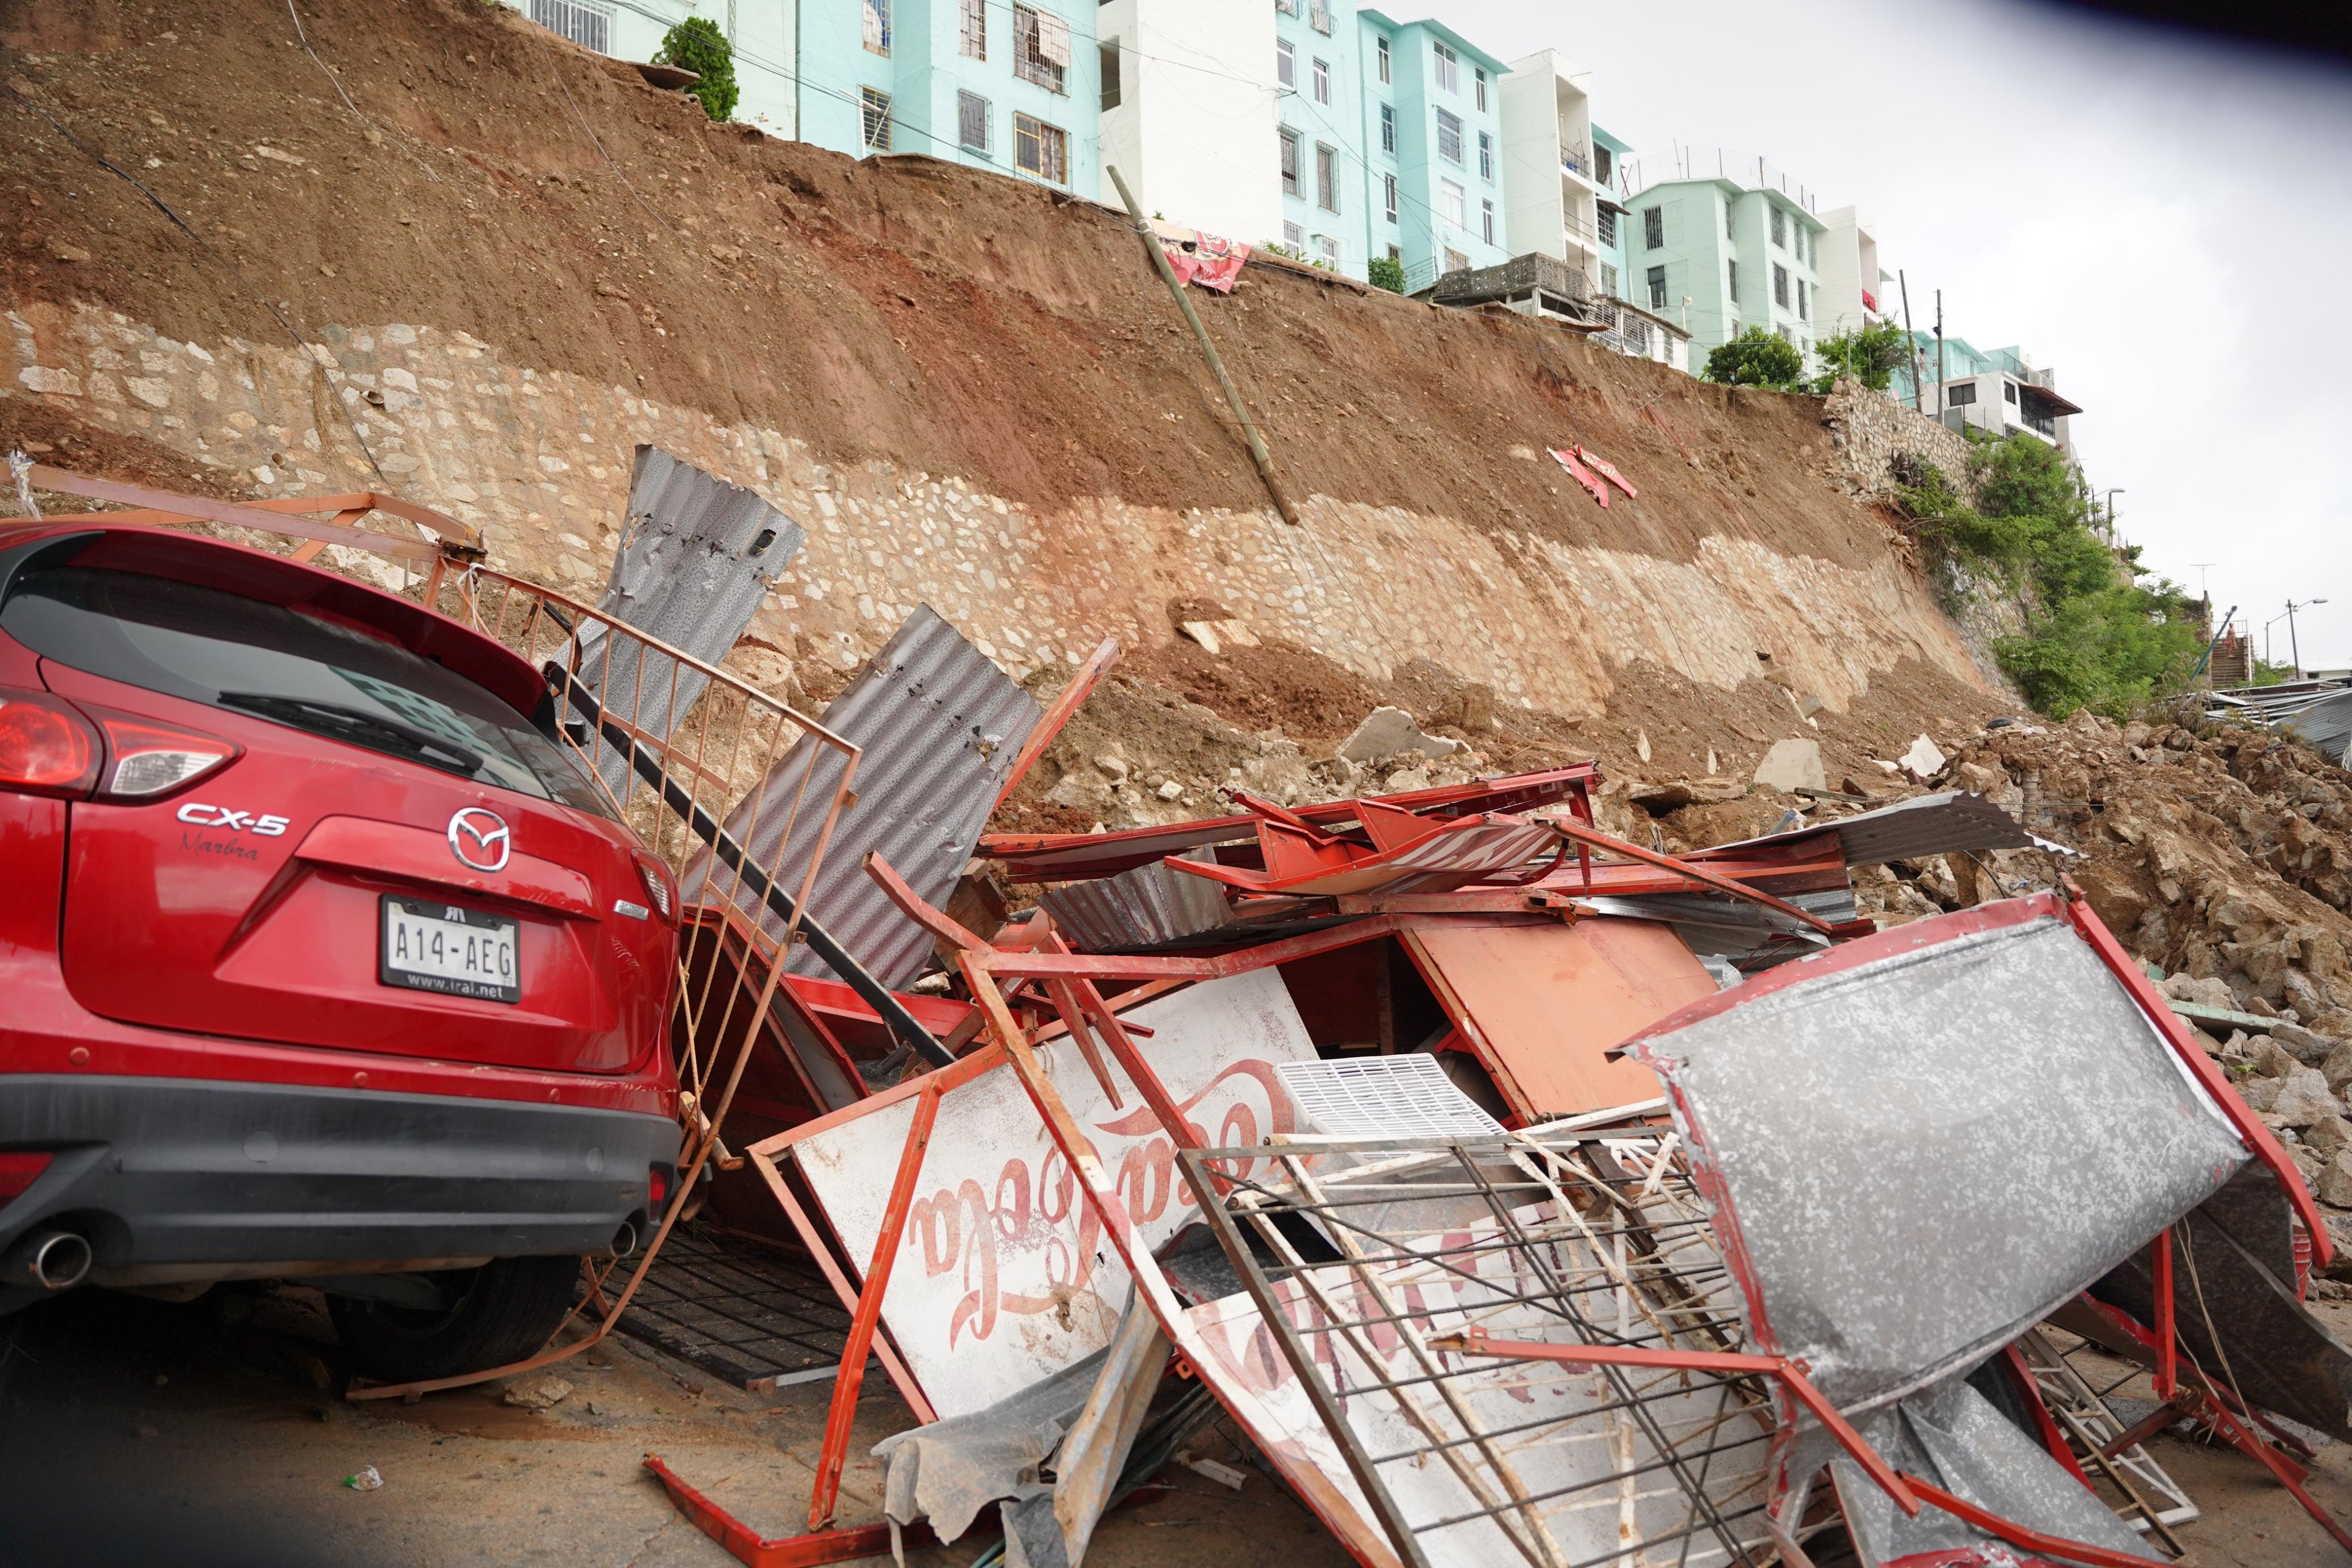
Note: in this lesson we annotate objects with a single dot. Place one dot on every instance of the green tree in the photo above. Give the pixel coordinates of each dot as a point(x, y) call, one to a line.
point(1756, 358)
point(697, 45)
point(1386, 272)
point(1873, 353)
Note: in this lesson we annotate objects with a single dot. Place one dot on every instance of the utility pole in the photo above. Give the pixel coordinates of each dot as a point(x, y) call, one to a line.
point(1918, 374)
point(2295, 648)
point(1939, 357)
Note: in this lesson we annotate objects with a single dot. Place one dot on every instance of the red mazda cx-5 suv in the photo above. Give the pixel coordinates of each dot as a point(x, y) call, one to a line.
point(320, 956)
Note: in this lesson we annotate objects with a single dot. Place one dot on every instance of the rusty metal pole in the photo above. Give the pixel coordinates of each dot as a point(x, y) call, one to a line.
point(1257, 449)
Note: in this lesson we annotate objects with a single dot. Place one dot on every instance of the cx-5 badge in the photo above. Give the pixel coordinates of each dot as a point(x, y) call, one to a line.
point(480, 838)
point(197, 814)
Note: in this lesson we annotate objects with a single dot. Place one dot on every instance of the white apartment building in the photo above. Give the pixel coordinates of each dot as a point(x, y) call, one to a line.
point(1850, 290)
point(1553, 188)
point(1187, 115)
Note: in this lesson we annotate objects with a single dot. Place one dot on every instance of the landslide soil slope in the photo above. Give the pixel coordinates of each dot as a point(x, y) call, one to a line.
point(446, 162)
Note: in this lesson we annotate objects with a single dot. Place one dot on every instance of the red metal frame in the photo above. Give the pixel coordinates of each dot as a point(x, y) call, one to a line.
point(2018, 1536)
point(1790, 1372)
point(1082, 685)
point(747, 1545)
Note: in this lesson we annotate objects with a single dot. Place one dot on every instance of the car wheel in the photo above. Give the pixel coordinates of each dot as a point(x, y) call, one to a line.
point(509, 1308)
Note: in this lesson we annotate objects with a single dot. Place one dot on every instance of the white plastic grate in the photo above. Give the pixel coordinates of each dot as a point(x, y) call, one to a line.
point(1406, 1096)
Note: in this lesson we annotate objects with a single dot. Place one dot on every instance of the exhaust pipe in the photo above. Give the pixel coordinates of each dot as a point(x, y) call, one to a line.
point(624, 1239)
point(52, 1260)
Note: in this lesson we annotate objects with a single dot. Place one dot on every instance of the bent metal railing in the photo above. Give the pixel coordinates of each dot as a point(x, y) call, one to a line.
point(673, 761)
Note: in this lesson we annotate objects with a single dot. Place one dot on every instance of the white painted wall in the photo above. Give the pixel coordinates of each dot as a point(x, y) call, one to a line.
point(1193, 133)
point(1848, 264)
point(1544, 108)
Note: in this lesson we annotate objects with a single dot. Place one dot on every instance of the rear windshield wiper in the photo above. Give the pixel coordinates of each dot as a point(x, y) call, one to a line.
point(271, 704)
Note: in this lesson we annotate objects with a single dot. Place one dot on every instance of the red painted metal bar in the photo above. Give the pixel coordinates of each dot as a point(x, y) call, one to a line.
point(2288, 1474)
point(1187, 967)
point(1598, 839)
point(852, 1376)
point(745, 1545)
point(1791, 1374)
point(2168, 1338)
point(1082, 685)
point(2054, 1440)
point(2018, 1535)
point(2258, 1137)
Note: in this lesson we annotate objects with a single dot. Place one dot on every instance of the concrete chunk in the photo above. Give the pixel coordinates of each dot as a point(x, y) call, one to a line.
point(1389, 730)
point(1793, 765)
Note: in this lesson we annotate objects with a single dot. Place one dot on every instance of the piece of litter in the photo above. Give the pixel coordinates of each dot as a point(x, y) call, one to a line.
point(366, 1480)
point(1223, 1474)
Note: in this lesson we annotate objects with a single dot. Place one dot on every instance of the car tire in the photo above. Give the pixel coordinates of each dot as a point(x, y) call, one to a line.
point(509, 1309)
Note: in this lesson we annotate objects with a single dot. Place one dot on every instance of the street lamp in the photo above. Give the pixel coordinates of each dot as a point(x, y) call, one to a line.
point(2294, 649)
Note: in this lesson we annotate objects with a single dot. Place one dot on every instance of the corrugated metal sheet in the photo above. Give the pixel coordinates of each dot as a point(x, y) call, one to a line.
point(939, 726)
point(1930, 825)
point(696, 555)
point(1143, 907)
point(2318, 716)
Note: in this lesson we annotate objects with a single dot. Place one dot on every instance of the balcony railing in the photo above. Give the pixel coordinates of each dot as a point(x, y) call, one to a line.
point(1318, 17)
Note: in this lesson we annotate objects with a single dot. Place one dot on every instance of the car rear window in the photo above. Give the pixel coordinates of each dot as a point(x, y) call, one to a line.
point(291, 665)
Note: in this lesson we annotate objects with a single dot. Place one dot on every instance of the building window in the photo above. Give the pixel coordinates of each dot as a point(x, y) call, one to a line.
point(1318, 17)
point(1285, 63)
point(1637, 337)
point(1294, 237)
point(1382, 46)
point(1654, 228)
point(1288, 7)
point(1780, 228)
point(1607, 280)
point(1395, 254)
point(1041, 150)
point(1731, 223)
point(1486, 156)
point(1961, 392)
point(1456, 261)
point(1482, 90)
point(1602, 161)
point(1326, 177)
point(1732, 275)
point(1041, 47)
point(1388, 128)
point(2009, 392)
point(874, 119)
point(1323, 81)
point(973, 122)
point(1389, 196)
point(1780, 284)
point(1657, 288)
point(589, 26)
point(975, 29)
point(1289, 162)
point(1486, 221)
point(1606, 218)
point(1330, 249)
point(1453, 204)
point(878, 26)
point(1107, 59)
point(1449, 136)
point(1448, 66)
point(1804, 308)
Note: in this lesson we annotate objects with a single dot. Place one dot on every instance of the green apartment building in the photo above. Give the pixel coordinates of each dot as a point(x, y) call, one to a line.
point(1433, 141)
point(1720, 257)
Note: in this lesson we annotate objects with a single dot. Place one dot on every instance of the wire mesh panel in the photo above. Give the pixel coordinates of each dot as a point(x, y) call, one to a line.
point(1361, 1260)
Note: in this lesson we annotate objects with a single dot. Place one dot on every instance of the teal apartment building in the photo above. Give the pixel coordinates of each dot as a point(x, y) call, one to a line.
point(1009, 85)
point(1719, 256)
point(1434, 131)
point(1320, 106)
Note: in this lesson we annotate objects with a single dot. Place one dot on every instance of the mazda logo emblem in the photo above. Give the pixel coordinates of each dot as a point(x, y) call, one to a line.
point(480, 839)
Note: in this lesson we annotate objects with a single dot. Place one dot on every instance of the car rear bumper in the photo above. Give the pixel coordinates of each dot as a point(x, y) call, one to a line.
point(185, 1178)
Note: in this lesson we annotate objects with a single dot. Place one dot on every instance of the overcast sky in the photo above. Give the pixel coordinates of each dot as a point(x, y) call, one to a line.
point(2164, 221)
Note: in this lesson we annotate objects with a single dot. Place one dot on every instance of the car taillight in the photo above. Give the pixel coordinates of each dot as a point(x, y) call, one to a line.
point(46, 747)
point(657, 885)
point(656, 1188)
point(18, 1172)
point(145, 759)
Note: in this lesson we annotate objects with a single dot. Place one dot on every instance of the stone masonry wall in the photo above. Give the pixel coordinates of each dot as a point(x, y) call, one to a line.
point(540, 463)
point(1871, 428)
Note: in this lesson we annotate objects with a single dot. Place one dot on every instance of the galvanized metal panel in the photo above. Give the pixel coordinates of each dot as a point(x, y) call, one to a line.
point(696, 555)
point(939, 726)
point(1140, 908)
point(1924, 1149)
point(1936, 824)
